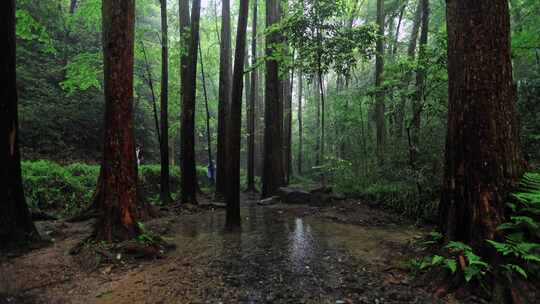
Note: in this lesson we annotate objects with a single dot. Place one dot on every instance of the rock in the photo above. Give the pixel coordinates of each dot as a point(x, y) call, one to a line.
point(269, 201)
point(339, 196)
point(320, 199)
point(324, 189)
point(321, 196)
point(294, 196)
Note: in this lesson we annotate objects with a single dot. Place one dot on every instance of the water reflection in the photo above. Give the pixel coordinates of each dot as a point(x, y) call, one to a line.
point(274, 249)
point(301, 245)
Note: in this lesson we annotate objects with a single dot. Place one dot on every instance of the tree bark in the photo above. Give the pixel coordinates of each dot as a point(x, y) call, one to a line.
point(183, 20)
point(379, 97)
point(483, 156)
point(188, 172)
point(150, 82)
point(224, 98)
point(235, 122)
point(208, 134)
point(418, 101)
point(287, 126)
point(118, 193)
point(72, 6)
point(411, 49)
point(317, 95)
point(252, 102)
point(300, 127)
point(273, 116)
point(16, 226)
point(165, 192)
point(322, 111)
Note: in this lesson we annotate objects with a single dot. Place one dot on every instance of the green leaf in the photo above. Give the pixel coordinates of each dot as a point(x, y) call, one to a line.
point(515, 268)
point(437, 260)
point(451, 264)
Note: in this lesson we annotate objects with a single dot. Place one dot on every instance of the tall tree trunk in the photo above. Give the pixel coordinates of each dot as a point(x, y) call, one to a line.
point(72, 6)
point(188, 170)
point(418, 101)
point(235, 122)
point(411, 49)
point(300, 127)
point(287, 125)
point(183, 20)
point(398, 28)
point(150, 81)
point(224, 98)
point(379, 97)
point(321, 92)
point(16, 225)
point(483, 155)
point(208, 134)
point(116, 221)
point(273, 116)
point(317, 95)
point(252, 102)
point(165, 192)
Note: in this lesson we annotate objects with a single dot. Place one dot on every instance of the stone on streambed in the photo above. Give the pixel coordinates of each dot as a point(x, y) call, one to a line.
point(294, 196)
point(269, 201)
point(321, 196)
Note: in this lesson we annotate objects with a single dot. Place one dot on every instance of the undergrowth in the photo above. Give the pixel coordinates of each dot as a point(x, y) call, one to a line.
point(519, 249)
point(67, 189)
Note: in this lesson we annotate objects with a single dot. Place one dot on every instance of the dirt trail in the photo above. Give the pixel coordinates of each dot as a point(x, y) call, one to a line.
point(285, 254)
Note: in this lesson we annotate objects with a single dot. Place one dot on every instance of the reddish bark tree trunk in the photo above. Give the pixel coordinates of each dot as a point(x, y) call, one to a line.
point(273, 116)
point(224, 98)
point(118, 189)
point(16, 225)
point(187, 163)
point(483, 157)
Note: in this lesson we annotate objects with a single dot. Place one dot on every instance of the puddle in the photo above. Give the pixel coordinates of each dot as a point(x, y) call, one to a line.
point(276, 254)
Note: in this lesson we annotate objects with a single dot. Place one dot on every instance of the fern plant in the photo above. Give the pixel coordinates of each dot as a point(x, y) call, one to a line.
point(521, 247)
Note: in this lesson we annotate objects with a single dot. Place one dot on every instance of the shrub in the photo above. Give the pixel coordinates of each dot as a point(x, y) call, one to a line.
point(63, 189)
point(66, 190)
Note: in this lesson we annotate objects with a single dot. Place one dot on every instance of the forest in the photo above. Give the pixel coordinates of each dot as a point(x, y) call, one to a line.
point(250, 151)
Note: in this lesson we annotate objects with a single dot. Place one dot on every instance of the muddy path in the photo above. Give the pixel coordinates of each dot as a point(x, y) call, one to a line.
point(348, 253)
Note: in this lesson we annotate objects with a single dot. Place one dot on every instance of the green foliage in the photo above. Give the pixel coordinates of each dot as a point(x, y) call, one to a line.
point(146, 237)
point(434, 238)
point(67, 189)
point(63, 189)
point(83, 72)
point(316, 32)
point(29, 28)
point(421, 264)
point(521, 247)
point(476, 268)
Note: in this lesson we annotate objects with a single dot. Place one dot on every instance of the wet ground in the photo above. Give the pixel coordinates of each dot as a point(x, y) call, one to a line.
point(284, 254)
